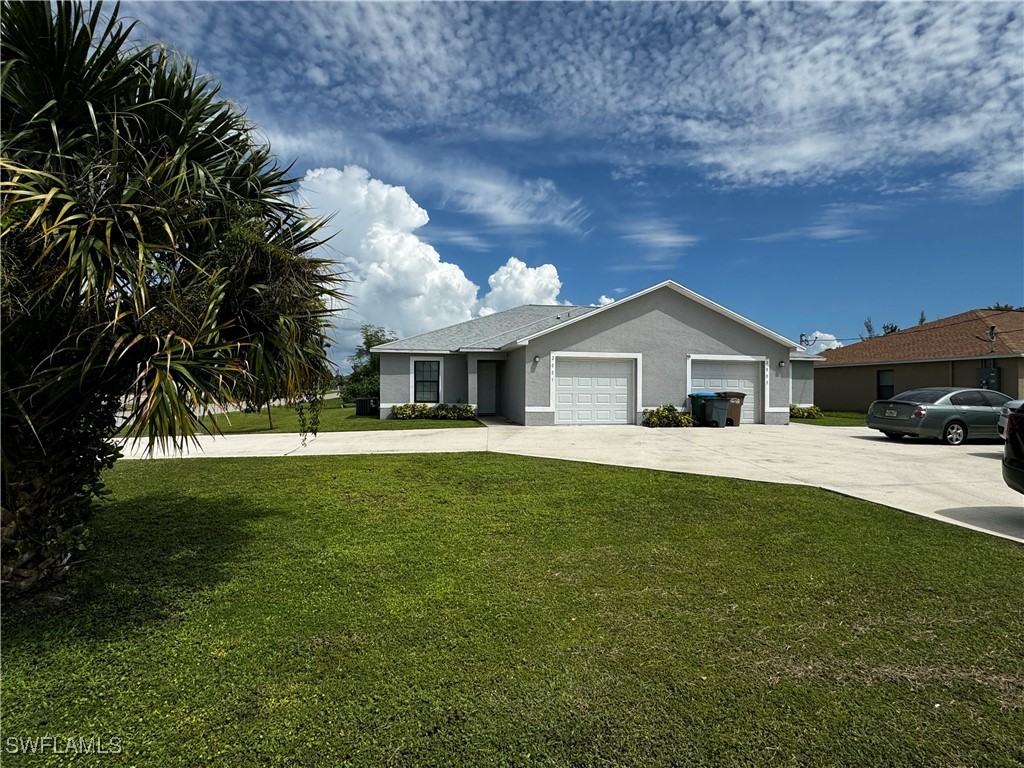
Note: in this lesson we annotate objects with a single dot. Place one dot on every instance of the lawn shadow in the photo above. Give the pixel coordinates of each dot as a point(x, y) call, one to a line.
point(152, 557)
point(1008, 521)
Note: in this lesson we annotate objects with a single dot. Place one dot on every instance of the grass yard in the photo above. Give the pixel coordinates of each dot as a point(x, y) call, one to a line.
point(489, 610)
point(837, 419)
point(333, 418)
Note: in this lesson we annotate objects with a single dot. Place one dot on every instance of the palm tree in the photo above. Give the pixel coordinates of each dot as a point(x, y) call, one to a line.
point(154, 261)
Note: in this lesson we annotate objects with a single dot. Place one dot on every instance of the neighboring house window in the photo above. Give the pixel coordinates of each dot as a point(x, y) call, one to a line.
point(427, 381)
point(886, 385)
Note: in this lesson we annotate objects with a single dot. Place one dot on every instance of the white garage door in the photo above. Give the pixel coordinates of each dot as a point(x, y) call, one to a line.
point(593, 391)
point(720, 376)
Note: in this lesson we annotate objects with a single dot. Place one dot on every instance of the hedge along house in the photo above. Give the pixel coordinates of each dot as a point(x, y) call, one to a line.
point(550, 365)
point(979, 348)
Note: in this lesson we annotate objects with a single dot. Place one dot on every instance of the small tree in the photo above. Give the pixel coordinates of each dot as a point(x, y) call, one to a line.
point(888, 328)
point(364, 381)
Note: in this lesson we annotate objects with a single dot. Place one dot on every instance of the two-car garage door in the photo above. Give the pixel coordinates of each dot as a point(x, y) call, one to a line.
point(594, 391)
point(730, 376)
point(603, 390)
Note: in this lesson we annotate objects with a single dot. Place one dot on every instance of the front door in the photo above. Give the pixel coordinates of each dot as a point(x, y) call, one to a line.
point(486, 388)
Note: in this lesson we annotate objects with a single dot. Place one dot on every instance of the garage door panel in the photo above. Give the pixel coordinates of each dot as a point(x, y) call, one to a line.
point(593, 391)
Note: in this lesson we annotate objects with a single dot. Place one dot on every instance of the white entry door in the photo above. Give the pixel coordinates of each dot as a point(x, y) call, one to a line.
point(733, 376)
point(594, 391)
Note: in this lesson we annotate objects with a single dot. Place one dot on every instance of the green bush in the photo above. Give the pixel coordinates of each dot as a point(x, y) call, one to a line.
point(810, 412)
point(667, 416)
point(446, 411)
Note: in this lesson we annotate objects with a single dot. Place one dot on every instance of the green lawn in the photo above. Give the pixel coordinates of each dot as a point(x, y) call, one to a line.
point(836, 419)
point(333, 418)
point(489, 610)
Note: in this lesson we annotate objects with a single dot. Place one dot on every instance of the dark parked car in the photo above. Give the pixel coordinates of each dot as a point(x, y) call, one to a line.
point(1013, 451)
point(1004, 414)
point(952, 414)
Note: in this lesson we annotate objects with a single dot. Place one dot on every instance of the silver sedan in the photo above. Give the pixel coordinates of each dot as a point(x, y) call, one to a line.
point(951, 414)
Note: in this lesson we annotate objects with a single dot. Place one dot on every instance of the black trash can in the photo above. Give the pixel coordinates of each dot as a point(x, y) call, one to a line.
point(716, 411)
point(735, 407)
point(368, 406)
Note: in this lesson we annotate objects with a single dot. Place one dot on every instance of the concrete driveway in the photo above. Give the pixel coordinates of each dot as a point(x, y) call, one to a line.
point(959, 485)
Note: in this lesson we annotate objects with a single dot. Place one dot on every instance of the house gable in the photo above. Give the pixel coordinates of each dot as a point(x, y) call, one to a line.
point(668, 285)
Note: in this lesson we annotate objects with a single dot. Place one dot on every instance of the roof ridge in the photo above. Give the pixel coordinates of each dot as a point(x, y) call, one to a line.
point(566, 307)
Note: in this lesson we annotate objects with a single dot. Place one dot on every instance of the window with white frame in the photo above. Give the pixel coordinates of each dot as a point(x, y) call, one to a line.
point(427, 381)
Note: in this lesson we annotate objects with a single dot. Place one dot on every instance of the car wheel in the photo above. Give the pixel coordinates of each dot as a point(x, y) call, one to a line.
point(954, 433)
point(894, 435)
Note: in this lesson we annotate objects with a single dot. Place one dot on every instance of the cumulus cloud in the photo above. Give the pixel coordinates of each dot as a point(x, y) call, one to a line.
point(819, 341)
point(515, 284)
point(399, 281)
point(604, 301)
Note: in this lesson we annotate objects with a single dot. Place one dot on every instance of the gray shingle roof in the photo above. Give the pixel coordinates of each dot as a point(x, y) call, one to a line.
point(491, 332)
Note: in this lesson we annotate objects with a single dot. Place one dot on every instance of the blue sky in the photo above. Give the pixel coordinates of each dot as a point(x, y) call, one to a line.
point(807, 165)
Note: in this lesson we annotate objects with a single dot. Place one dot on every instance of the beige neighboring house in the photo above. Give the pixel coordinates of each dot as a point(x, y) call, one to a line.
point(979, 348)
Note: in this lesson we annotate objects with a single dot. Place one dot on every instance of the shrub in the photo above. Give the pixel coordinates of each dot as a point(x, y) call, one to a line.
point(454, 411)
point(810, 412)
point(446, 411)
point(667, 416)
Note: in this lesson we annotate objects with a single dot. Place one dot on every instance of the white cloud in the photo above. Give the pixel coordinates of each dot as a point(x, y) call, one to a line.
point(515, 284)
point(754, 94)
point(660, 243)
point(820, 341)
point(834, 222)
point(463, 183)
point(604, 301)
point(399, 281)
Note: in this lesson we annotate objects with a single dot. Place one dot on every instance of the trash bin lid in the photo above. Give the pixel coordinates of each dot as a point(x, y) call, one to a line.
point(731, 394)
point(703, 394)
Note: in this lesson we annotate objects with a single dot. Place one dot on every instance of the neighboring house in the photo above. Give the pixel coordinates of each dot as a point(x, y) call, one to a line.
point(982, 347)
point(546, 365)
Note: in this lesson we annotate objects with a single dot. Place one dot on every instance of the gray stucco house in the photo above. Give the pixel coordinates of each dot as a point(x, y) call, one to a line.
point(549, 365)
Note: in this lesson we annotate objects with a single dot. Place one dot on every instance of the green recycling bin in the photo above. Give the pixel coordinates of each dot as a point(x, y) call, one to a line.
point(698, 406)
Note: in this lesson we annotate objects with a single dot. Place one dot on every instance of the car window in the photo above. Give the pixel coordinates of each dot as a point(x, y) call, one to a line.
point(921, 395)
point(970, 397)
point(996, 399)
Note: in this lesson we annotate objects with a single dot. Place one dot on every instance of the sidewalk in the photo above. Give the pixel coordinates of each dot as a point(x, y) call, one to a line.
point(958, 485)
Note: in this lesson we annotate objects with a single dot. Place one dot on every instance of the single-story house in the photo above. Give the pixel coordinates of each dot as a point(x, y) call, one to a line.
point(979, 348)
point(548, 365)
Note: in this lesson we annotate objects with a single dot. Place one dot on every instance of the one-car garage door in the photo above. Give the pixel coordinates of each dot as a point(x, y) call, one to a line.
point(589, 391)
point(738, 376)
